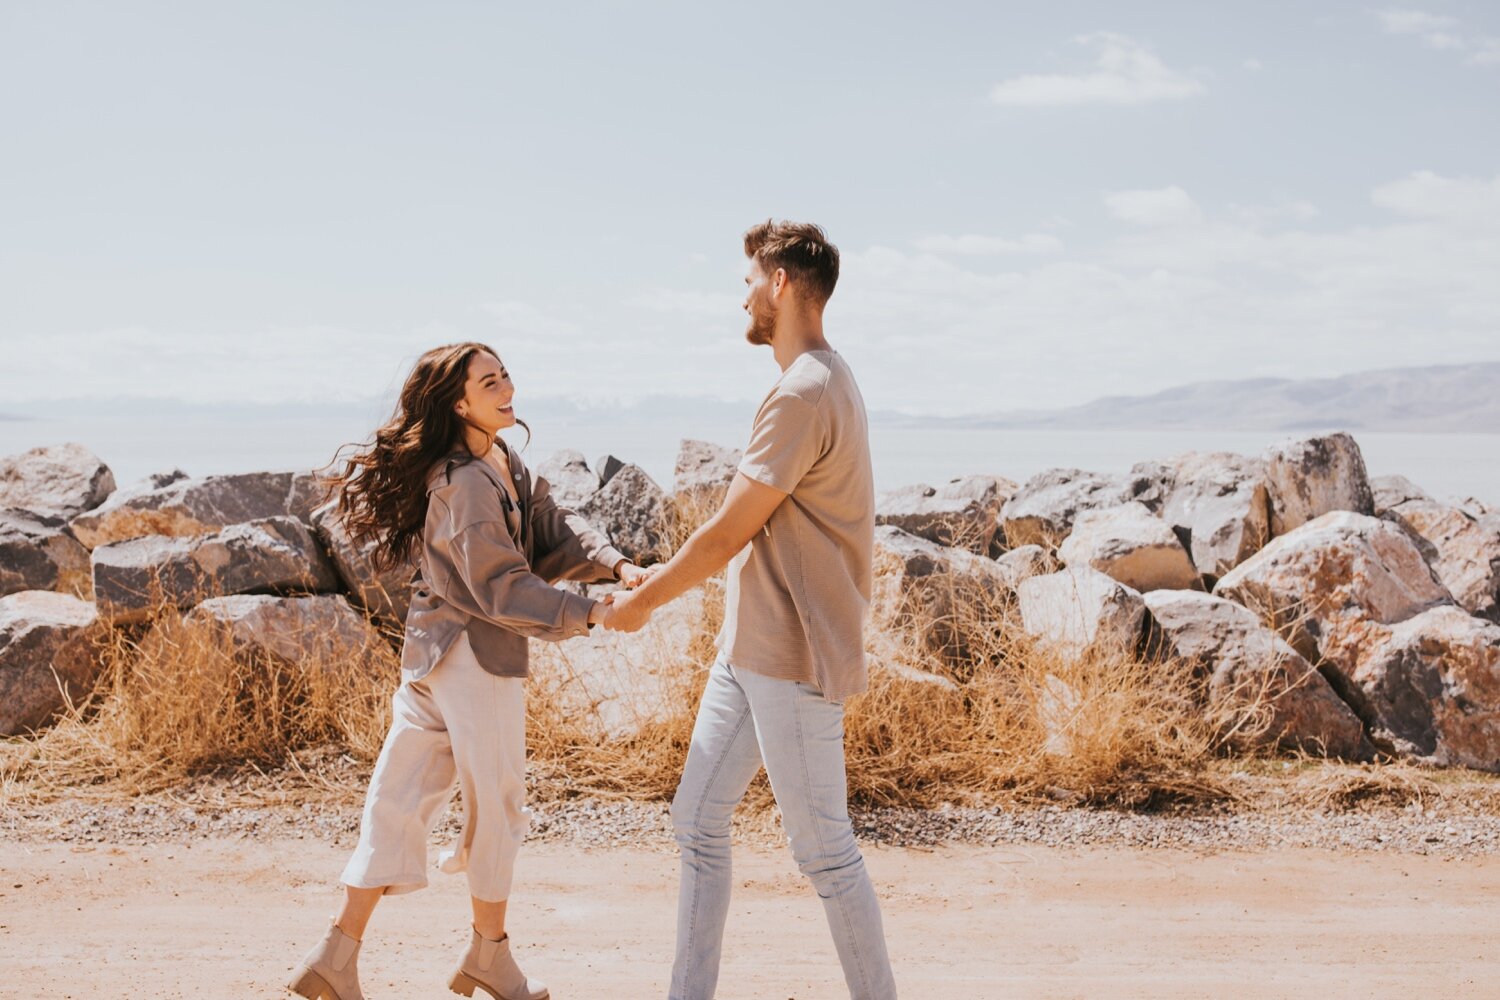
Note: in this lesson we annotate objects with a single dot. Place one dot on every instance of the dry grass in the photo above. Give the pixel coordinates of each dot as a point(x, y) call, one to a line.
point(962, 708)
point(178, 700)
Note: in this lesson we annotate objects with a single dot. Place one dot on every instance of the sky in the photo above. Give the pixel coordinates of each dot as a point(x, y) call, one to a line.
point(1036, 204)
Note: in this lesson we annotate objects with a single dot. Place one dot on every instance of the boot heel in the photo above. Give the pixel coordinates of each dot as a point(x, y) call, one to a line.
point(309, 984)
point(463, 985)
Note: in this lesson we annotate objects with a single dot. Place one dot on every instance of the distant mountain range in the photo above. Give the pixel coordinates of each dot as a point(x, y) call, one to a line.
point(1439, 399)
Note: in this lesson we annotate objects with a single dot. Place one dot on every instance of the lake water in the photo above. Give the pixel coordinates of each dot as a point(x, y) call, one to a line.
point(138, 444)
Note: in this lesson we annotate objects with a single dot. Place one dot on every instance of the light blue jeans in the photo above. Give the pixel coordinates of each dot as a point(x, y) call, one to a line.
point(746, 719)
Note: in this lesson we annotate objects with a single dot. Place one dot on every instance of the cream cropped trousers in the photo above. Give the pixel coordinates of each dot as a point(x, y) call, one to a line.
point(458, 721)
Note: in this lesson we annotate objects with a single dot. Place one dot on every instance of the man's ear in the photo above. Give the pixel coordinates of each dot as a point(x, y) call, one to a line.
point(778, 282)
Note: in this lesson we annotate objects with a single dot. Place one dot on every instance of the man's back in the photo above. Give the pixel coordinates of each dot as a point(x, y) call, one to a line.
point(798, 595)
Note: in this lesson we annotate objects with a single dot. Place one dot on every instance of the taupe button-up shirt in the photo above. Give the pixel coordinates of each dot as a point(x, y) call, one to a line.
point(486, 566)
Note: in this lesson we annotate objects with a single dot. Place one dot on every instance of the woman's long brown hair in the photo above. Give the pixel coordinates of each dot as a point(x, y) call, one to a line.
point(382, 490)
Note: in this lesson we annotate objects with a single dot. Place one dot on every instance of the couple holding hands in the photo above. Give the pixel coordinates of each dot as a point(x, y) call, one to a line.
point(437, 487)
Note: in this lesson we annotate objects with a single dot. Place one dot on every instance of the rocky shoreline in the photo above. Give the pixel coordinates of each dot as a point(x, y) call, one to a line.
point(1363, 615)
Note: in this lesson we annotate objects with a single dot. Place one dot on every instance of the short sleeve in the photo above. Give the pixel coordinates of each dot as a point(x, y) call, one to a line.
point(784, 443)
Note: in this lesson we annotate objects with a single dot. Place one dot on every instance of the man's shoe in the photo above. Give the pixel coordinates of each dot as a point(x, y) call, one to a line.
point(330, 971)
point(488, 966)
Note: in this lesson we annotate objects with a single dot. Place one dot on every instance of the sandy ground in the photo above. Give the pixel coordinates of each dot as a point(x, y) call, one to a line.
point(228, 919)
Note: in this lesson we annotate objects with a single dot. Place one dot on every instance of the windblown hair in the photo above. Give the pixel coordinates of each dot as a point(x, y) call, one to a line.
point(382, 490)
point(799, 248)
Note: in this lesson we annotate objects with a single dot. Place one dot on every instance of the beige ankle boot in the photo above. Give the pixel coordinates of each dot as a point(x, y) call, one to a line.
point(488, 966)
point(330, 971)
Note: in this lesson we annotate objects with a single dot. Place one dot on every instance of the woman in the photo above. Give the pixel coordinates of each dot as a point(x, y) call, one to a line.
point(436, 487)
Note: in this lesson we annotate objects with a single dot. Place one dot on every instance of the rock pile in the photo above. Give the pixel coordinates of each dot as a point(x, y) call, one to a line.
point(1322, 611)
point(1349, 617)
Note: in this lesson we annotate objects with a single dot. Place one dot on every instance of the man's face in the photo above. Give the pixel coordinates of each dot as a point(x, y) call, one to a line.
point(759, 303)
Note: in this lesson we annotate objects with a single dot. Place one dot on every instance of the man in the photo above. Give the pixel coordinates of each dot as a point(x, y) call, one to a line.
point(798, 522)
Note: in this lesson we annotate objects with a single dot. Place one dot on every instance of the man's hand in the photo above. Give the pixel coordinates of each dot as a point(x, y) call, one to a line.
point(596, 613)
point(632, 576)
point(626, 614)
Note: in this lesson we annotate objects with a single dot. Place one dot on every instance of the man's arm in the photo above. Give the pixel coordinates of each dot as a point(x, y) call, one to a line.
point(746, 509)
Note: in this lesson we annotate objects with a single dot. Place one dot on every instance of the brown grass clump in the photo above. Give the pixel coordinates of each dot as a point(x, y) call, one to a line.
point(962, 708)
point(178, 699)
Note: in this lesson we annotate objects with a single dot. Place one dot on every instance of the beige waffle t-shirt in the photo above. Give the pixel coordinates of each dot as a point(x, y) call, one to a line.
point(798, 594)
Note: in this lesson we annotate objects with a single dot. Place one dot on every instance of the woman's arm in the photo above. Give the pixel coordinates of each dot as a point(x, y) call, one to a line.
point(567, 546)
point(479, 570)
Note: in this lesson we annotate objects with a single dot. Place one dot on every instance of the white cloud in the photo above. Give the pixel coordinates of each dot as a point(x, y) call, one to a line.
point(1465, 201)
point(516, 317)
point(1253, 65)
point(1441, 32)
point(1259, 215)
point(1246, 291)
point(690, 303)
point(310, 364)
point(1168, 206)
point(979, 246)
point(1155, 307)
point(1124, 72)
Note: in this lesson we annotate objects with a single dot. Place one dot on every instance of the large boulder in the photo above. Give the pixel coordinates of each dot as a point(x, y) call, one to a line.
point(195, 506)
point(275, 554)
point(1341, 567)
point(912, 557)
point(1132, 545)
point(1463, 552)
point(622, 683)
point(1420, 671)
point(1220, 507)
point(633, 511)
point(704, 471)
point(60, 480)
point(386, 593)
point(570, 478)
point(319, 631)
point(1042, 511)
point(1260, 690)
point(46, 657)
point(950, 597)
point(964, 512)
point(607, 466)
point(1023, 563)
point(39, 553)
point(1476, 508)
point(1429, 685)
point(1387, 492)
point(1312, 476)
point(1078, 608)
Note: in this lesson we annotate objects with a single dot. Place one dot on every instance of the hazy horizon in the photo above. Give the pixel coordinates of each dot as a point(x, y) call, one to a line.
point(1037, 206)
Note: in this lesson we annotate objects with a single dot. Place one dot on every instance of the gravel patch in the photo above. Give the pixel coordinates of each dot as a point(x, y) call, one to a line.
point(601, 823)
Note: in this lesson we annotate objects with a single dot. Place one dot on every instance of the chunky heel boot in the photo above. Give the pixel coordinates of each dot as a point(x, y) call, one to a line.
point(330, 971)
point(488, 966)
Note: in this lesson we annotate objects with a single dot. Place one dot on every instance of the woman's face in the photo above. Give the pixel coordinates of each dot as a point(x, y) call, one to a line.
point(488, 393)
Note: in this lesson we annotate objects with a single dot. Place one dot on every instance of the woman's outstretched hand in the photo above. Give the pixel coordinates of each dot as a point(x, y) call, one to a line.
point(632, 576)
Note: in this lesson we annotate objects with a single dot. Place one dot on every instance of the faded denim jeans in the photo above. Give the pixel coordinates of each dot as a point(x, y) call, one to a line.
point(746, 719)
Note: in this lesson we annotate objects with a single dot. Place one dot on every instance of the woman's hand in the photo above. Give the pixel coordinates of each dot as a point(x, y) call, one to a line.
point(632, 576)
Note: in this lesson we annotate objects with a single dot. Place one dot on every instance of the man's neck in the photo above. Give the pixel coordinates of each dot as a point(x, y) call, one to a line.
point(797, 338)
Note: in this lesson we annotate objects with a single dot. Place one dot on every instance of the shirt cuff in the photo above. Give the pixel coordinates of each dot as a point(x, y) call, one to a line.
point(576, 608)
point(608, 557)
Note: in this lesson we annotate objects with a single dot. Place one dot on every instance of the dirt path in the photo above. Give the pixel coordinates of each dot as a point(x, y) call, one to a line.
point(228, 919)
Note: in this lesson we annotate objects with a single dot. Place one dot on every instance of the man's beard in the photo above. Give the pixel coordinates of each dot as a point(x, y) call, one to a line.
point(762, 324)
